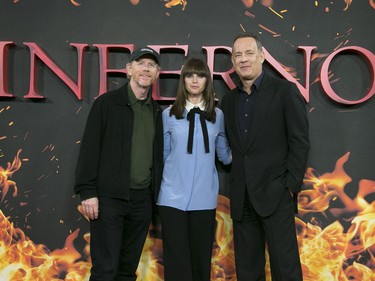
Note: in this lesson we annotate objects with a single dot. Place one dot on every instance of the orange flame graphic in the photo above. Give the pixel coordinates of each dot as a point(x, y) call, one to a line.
point(336, 242)
point(173, 3)
point(75, 3)
point(347, 2)
point(333, 253)
point(223, 254)
point(21, 259)
point(5, 174)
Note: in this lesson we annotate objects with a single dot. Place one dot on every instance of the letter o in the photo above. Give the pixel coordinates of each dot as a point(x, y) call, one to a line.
point(370, 58)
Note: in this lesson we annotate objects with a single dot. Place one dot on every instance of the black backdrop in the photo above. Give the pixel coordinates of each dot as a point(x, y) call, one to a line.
point(48, 129)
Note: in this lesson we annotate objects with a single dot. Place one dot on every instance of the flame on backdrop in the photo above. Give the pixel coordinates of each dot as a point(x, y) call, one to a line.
point(6, 174)
point(173, 3)
point(21, 259)
point(75, 3)
point(333, 252)
point(348, 2)
point(329, 250)
point(250, 3)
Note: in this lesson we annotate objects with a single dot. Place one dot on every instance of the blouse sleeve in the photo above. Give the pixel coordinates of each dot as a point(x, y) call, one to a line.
point(223, 150)
point(167, 134)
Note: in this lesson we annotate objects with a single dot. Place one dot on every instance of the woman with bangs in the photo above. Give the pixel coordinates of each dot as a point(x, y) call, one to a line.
point(193, 131)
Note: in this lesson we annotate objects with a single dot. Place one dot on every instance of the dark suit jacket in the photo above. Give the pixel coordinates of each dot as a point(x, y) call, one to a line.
point(275, 155)
point(103, 167)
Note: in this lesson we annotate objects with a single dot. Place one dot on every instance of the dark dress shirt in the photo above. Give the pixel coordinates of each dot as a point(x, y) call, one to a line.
point(245, 106)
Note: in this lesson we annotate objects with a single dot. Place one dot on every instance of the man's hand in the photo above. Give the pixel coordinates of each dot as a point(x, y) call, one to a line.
point(90, 208)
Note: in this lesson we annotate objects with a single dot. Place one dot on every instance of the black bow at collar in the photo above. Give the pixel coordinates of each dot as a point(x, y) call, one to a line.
point(191, 118)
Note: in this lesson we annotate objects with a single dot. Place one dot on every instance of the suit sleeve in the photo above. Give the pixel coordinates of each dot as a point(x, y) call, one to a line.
point(89, 155)
point(297, 127)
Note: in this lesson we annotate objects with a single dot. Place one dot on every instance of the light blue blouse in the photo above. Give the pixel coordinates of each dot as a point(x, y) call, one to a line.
point(190, 181)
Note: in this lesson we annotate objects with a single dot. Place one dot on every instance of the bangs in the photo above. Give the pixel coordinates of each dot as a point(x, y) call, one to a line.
point(196, 66)
point(197, 72)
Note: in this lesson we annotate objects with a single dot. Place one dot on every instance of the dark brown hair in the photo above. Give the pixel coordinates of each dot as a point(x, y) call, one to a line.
point(199, 67)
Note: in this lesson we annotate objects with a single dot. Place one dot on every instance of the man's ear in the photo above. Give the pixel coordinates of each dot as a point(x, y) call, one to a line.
point(129, 68)
point(262, 56)
point(232, 60)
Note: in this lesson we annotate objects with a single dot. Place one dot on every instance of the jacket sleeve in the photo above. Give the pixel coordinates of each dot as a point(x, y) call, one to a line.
point(89, 155)
point(297, 127)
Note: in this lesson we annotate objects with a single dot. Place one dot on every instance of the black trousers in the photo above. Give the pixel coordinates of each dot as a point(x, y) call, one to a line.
point(118, 236)
point(187, 243)
point(253, 232)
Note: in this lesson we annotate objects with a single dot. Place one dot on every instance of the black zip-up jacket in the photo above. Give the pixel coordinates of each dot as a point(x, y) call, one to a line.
point(103, 167)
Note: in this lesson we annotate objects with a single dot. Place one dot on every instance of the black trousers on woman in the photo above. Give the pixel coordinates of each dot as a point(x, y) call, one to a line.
point(187, 243)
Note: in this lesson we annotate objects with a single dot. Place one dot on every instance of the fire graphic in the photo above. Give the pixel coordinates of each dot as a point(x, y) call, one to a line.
point(21, 259)
point(329, 250)
point(6, 174)
point(336, 242)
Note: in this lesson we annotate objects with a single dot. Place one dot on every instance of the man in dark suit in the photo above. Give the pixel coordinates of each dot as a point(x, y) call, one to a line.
point(267, 127)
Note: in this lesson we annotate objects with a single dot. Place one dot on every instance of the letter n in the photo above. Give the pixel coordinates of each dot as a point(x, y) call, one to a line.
point(37, 52)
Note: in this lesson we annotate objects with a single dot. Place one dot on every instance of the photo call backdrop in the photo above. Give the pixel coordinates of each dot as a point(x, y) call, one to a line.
point(57, 56)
